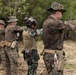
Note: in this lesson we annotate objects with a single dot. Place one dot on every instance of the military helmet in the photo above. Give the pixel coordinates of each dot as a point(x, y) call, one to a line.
point(30, 21)
point(12, 19)
point(2, 22)
point(55, 6)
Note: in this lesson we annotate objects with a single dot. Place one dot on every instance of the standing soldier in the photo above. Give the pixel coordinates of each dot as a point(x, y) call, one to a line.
point(11, 55)
point(2, 38)
point(53, 30)
point(30, 49)
point(53, 37)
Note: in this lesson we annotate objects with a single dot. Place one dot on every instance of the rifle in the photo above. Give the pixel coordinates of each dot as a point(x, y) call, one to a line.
point(17, 43)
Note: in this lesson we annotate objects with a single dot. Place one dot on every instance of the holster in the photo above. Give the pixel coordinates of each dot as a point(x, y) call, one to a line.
point(13, 44)
point(30, 55)
point(61, 61)
point(25, 54)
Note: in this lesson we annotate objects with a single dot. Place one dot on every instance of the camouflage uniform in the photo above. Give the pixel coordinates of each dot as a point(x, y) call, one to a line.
point(11, 55)
point(2, 38)
point(53, 31)
point(30, 49)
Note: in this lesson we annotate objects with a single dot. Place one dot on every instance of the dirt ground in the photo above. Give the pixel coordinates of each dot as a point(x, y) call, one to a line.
point(70, 66)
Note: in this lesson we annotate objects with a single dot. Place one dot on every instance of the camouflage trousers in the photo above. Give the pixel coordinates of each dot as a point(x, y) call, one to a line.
point(32, 61)
point(32, 68)
point(1, 54)
point(49, 63)
point(10, 61)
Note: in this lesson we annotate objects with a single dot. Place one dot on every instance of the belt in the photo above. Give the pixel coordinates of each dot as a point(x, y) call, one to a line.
point(50, 51)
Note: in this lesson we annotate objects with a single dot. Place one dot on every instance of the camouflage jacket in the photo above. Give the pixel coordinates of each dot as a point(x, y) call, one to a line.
point(53, 31)
point(2, 34)
point(11, 32)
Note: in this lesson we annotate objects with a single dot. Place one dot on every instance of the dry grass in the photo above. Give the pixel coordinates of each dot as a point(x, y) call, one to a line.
point(70, 66)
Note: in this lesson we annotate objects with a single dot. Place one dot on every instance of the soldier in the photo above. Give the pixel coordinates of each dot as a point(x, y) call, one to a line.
point(30, 49)
point(53, 30)
point(2, 38)
point(11, 55)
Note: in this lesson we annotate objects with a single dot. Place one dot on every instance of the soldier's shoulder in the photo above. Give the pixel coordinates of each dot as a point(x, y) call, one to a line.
point(51, 22)
point(48, 21)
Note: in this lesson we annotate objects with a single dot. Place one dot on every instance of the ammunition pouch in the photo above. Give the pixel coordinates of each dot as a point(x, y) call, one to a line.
point(13, 44)
point(61, 60)
point(30, 56)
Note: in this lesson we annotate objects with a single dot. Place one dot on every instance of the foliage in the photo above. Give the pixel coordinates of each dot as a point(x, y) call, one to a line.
point(35, 8)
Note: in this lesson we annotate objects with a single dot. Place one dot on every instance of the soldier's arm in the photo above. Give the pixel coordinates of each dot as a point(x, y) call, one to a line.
point(52, 25)
point(19, 28)
point(60, 25)
point(70, 25)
